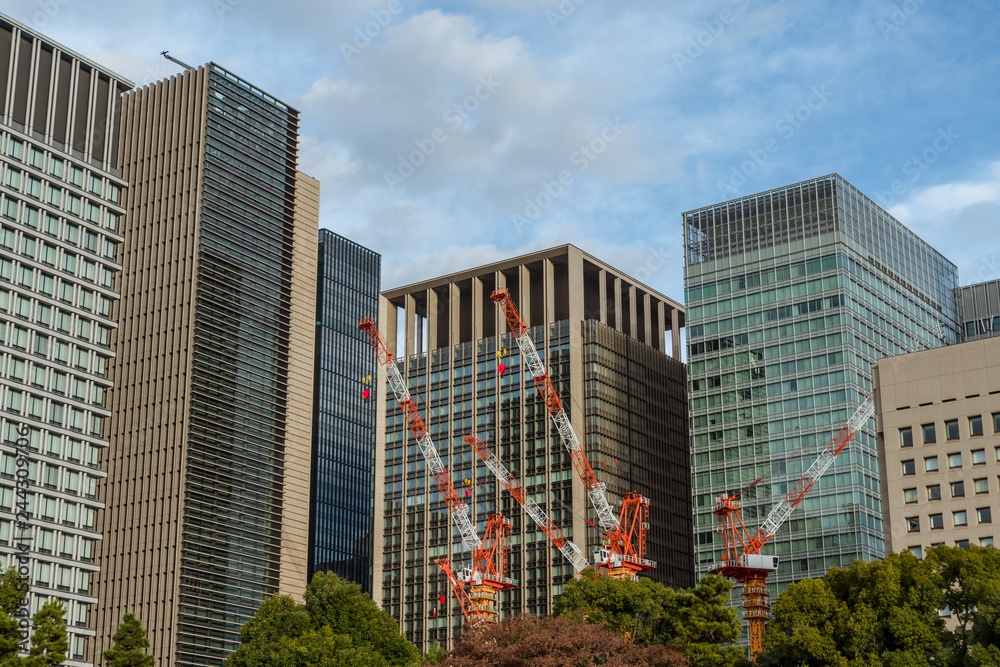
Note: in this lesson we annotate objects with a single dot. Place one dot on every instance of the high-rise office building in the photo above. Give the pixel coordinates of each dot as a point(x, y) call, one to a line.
point(792, 295)
point(979, 307)
point(938, 415)
point(603, 338)
point(343, 414)
point(60, 229)
point(208, 464)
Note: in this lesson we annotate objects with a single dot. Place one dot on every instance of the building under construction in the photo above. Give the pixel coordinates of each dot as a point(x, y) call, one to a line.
point(611, 347)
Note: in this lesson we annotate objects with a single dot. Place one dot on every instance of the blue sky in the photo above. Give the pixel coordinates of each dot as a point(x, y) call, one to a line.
point(590, 122)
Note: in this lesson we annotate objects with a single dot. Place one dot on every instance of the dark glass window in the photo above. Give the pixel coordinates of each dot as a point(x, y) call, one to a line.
point(937, 521)
point(929, 434)
point(951, 429)
point(985, 515)
point(934, 492)
point(976, 425)
point(913, 524)
point(909, 468)
point(906, 437)
point(957, 489)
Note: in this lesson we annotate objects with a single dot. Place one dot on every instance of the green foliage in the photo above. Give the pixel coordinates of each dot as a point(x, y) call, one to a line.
point(48, 637)
point(694, 621)
point(970, 579)
point(130, 640)
point(11, 591)
point(876, 613)
point(338, 625)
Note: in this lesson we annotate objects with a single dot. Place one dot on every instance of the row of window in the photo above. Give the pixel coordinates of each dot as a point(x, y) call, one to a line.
point(955, 460)
point(951, 429)
point(42, 160)
point(70, 513)
point(961, 544)
point(981, 485)
point(55, 445)
point(960, 519)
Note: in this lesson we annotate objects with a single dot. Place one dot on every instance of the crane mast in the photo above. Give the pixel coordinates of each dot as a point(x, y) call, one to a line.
point(595, 489)
point(554, 533)
point(751, 568)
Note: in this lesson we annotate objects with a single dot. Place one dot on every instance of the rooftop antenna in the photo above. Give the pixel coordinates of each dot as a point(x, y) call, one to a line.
point(166, 54)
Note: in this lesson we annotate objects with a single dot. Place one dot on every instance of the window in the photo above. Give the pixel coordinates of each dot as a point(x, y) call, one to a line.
point(910, 495)
point(909, 468)
point(957, 489)
point(906, 437)
point(917, 552)
point(955, 460)
point(913, 524)
point(951, 429)
point(985, 515)
point(929, 434)
point(961, 518)
point(982, 485)
point(976, 425)
point(934, 492)
point(996, 422)
point(978, 457)
point(962, 544)
point(937, 521)
point(931, 464)
point(986, 541)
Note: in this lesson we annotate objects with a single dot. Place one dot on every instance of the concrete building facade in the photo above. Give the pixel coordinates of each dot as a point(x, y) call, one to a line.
point(343, 464)
point(61, 214)
point(792, 296)
point(938, 416)
point(207, 500)
point(603, 338)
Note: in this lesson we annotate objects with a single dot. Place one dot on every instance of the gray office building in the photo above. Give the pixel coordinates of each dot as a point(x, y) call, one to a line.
point(979, 308)
point(792, 295)
point(60, 230)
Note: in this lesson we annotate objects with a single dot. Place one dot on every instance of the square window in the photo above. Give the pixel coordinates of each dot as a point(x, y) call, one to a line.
point(978, 457)
point(986, 541)
point(982, 485)
point(910, 495)
point(951, 429)
point(913, 524)
point(976, 425)
point(917, 552)
point(961, 518)
point(962, 544)
point(985, 515)
point(906, 437)
point(930, 436)
point(957, 489)
point(931, 464)
point(955, 460)
point(937, 521)
point(934, 492)
point(909, 468)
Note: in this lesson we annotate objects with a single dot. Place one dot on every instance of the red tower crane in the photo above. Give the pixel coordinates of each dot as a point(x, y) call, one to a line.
point(489, 560)
point(624, 553)
point(751, 568)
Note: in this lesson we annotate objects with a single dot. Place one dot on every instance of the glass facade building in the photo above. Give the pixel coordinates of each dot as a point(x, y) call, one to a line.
point(61, 212)
point(979, 306)
point(792, 295)
point(208, 501)
point(602, 338)
point(343, 418)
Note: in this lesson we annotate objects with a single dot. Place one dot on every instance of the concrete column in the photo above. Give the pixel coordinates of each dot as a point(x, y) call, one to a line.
point(549, 278)
point(388, 323)
point(647, 316)
point(432, 319)
point(409, 336)
point(619, 316)
point(633, 310)
point(661, 328)
point(603, 295)
point(477, 309)
point(454, 312)
point(675, 332)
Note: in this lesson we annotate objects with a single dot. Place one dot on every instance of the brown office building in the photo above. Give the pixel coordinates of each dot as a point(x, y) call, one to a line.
point(938, 418)
point(604, 340)
point(208, 464)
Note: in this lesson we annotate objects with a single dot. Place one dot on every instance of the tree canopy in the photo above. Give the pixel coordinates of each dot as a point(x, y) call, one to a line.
point(129, 644)
point(694, 621)
point(338, 625)
point(48, 645)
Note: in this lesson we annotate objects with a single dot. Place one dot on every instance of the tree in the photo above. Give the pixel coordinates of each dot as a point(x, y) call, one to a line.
point(11, 593)
point(970, 581)
point(875, 613)
point(338, 625)
point(130, 640)
point(694, 621)
point(548, 642)
point(434, 655)
point(48, 637)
